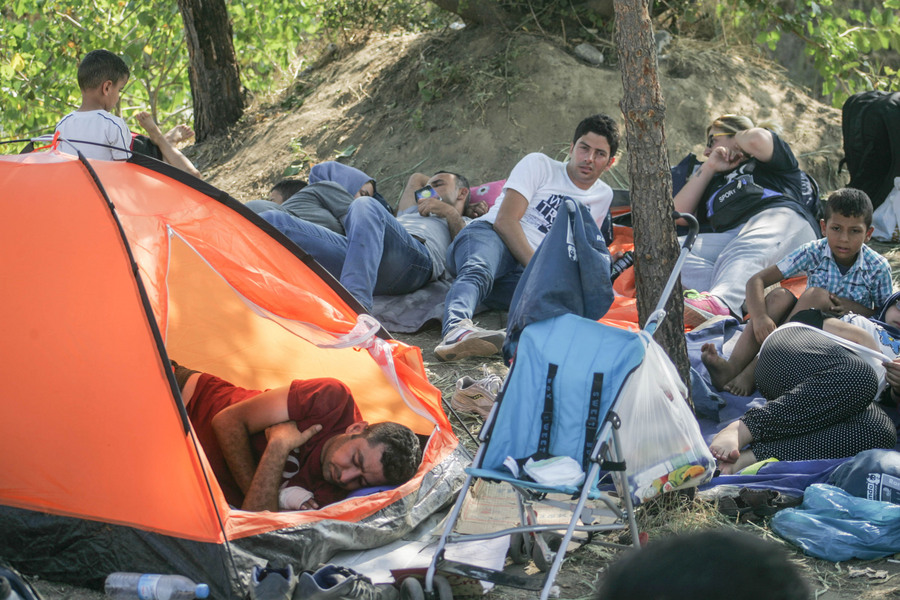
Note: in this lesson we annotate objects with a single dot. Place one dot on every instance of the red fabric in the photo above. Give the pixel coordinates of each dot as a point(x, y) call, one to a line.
point(316, 401)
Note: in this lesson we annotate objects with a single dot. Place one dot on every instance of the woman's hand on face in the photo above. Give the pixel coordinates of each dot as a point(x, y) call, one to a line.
point(722, 159)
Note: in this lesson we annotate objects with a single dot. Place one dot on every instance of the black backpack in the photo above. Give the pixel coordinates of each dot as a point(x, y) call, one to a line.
point(871, 130)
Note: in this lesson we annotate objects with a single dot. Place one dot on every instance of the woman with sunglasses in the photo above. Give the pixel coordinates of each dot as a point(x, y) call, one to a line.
point(750, 193)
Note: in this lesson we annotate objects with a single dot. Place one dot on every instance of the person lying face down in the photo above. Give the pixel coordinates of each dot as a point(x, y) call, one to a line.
point(325, 199)
point(308, 434)
point(382, 254)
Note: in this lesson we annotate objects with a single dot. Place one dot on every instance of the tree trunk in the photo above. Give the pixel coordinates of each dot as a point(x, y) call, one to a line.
point(215, 80)
point(656, 245)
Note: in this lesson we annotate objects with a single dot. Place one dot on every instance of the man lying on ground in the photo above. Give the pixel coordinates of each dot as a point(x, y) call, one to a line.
point(327, 197)
point(309, 434)
point(382, 254)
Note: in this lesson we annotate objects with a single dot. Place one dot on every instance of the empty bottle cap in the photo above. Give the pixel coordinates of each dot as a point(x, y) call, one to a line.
point(202, 590)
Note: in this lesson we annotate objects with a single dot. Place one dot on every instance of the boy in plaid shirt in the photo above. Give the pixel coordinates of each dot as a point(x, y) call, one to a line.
point(843, 276)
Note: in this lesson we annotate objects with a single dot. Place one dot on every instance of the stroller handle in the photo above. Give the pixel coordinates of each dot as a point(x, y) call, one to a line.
point(659, 312)
point(693, 228)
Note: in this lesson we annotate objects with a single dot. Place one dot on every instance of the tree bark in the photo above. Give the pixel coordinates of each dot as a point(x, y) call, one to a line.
point(213, 71)
point(656, 245)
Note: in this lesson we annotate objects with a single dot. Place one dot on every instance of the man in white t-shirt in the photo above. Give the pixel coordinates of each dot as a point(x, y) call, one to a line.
point(488, 257)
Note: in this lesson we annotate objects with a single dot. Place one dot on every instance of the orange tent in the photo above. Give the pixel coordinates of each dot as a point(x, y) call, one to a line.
point(112, 268)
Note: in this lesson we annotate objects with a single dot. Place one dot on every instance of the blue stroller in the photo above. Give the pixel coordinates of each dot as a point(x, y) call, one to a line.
point(558, 401)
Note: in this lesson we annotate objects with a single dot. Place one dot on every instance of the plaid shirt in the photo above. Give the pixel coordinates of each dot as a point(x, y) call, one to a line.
point(867, 282)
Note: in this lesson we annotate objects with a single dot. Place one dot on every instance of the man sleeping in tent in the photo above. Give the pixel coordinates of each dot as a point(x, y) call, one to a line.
point(295, 447)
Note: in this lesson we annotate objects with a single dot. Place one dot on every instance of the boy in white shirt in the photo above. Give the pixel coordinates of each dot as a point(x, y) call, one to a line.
point(490, 253)
point(101, 135)
point(93, 129)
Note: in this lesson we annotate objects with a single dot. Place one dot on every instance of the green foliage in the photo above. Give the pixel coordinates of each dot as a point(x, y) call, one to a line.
point(846, 50)
point(345, 18)
point(852, 49)
point(43, 41)
point(566, 18)
point(269, 38)
point(439, 77)
point(480, 80)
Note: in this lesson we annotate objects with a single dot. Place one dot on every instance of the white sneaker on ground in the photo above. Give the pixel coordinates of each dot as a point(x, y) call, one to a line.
point(476, 395)
point(465, 340)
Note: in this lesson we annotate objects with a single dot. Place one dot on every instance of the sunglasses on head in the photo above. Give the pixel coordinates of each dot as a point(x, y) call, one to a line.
point(713, 136)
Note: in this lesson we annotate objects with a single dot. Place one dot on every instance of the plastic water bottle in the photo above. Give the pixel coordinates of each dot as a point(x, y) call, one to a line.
point(141, 586)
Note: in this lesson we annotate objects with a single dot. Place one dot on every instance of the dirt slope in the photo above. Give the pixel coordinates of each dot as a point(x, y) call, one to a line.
point(493, 99)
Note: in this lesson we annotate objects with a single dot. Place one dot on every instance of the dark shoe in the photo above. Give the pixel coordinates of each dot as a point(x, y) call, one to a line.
point(332, 582)
point(272, 584)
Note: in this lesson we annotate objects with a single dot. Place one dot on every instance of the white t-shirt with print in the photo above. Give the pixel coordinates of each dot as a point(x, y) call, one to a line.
point(97, 126)
point(545, 183)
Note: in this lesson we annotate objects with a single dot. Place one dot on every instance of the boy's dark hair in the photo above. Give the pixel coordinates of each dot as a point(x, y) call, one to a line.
point(849, 202)
point(601, 125)
point(99, 66)
point(461, 180)
point(746, 568)
point(402, 454)
point(288, 187)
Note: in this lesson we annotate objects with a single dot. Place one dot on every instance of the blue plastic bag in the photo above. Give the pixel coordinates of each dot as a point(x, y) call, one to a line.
point(837, 526)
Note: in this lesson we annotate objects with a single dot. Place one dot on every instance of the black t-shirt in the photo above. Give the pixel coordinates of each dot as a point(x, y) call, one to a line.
point(732, 198)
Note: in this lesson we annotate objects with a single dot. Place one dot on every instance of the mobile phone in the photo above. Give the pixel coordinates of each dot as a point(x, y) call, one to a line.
point(425, 193)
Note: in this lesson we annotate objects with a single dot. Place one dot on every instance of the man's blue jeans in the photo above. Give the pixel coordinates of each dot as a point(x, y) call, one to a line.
point(378, 256)
point(485, 271)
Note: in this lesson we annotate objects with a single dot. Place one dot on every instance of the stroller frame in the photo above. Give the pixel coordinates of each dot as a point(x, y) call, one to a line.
point(605, 454)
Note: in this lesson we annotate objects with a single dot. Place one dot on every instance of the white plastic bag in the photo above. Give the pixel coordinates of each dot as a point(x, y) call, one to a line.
point(661, 440)
point(886, 218)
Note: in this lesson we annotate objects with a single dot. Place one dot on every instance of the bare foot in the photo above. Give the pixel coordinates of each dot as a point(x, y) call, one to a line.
point(179, 133)
point(721, 372)
point(726, 446)
point(746, 459)
point(744, 383)
point(150, 126)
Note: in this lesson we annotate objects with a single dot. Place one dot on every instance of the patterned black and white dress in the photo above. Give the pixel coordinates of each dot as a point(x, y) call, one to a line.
point(820, 397)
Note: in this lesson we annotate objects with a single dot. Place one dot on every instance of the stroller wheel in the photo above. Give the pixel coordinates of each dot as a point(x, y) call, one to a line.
point(442, 589)
point(519, 548)
point(542, 562)
point(411, 589)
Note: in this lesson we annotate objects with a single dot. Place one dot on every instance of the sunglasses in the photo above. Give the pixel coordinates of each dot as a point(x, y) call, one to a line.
point(713, 136)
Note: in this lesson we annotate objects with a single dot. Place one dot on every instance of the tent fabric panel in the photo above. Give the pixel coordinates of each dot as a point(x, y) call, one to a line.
point(262, 269)
point(257, 353)
point(82, 339)
point(83, 552)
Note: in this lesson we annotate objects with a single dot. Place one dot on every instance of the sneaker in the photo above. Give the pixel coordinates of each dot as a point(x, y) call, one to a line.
point(332, 582)
point(467, 340)
point(700, 306)
point(272, 584)
point(476, 395)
